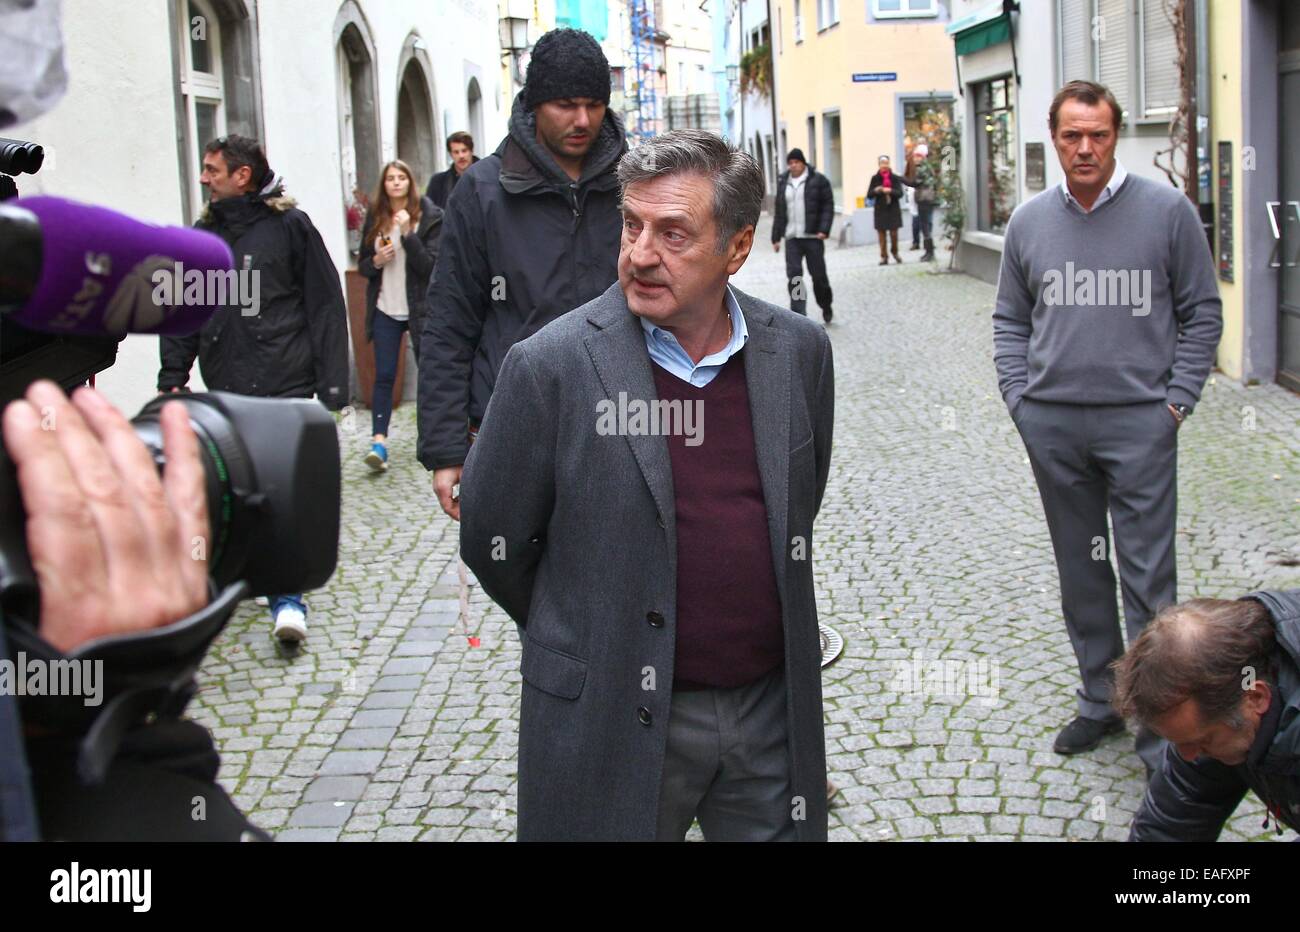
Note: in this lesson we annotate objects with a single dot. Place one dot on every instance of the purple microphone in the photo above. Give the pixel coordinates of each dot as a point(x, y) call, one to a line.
point(70, 268)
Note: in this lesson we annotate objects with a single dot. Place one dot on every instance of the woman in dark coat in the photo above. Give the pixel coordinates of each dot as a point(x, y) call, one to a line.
point(399, 246)
point(886, 187)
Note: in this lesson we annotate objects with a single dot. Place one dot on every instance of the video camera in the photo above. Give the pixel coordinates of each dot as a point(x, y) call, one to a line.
point(272, 465)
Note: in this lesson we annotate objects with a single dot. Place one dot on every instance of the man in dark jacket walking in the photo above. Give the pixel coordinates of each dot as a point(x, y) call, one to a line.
point(805, 210)
point(1220, 680)
point(460, 146)
point(530, 233)
point(292, 341)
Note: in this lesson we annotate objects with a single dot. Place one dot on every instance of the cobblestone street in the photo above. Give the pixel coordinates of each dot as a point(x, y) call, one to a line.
point(398, 718)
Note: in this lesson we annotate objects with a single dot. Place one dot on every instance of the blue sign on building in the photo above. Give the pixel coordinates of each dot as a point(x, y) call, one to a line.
point(863, 76)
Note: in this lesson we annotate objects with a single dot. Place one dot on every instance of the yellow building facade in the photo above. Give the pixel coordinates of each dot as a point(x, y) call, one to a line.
point(857, 79)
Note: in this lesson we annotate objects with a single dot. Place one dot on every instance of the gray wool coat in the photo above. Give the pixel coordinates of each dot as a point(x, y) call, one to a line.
point(573, 533)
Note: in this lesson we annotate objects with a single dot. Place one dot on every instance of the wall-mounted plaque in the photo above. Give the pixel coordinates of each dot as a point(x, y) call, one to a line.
point(1225, 211)
point(1035, 166)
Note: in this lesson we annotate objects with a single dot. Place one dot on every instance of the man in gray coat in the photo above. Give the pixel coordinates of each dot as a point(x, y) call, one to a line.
point(640, 500)
point(1105, 327)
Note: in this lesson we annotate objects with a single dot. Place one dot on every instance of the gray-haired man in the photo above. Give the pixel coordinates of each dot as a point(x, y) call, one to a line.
point(1104, 332)
point(666, 448)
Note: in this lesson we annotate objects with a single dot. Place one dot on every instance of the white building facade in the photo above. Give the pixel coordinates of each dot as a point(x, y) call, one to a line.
point(333, 89)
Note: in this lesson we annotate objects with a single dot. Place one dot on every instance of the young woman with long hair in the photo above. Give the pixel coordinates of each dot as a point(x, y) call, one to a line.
point(399, 246)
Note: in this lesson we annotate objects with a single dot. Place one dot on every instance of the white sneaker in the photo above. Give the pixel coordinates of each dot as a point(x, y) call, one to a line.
point(263, 601)
point(291, 624)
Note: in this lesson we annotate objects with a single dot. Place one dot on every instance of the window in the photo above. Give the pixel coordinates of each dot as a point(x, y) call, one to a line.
point(828, 14)
point(995, 153)
point(833, 169)
point(1074, 27)
point(202, 90)
point(1110, 27)
point(812, 141)
point(798, 22)
point(358, 116)
point(897, 9)
point(925, 121)
point(1097, 44)
point(1161, 80)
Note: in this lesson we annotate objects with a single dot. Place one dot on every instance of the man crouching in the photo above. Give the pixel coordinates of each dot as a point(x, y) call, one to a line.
point(1220, 680)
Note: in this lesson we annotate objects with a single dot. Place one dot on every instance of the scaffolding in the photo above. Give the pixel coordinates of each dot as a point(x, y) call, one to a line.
point(645, 71)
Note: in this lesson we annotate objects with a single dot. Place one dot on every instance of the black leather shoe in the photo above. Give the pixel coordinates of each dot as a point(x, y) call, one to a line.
point(1084, 734)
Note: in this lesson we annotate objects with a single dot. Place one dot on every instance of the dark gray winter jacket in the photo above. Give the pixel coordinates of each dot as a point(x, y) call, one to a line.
point(522, 243)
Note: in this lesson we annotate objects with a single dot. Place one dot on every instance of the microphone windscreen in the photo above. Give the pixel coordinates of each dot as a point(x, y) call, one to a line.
point(104, 273)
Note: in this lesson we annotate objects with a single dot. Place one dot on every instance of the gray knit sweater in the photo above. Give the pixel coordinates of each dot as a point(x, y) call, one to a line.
point(1116, 306)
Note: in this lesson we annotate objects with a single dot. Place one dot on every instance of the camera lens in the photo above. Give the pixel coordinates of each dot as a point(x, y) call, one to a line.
point(273, 486)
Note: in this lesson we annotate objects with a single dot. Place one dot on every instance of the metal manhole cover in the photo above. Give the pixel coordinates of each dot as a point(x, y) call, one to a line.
point(832, 644)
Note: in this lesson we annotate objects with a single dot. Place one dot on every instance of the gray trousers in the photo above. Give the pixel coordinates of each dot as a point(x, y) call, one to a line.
point(1090, 459)
point(728, 764)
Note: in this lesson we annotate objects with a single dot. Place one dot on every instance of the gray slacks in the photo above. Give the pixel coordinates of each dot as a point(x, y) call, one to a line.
point(728, 764)
point(1090, 460)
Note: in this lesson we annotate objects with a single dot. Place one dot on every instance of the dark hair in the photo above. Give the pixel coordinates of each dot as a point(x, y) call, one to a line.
point(737, 180)
point(241, 151)
point(462, 137)
point(1204, 649)
point(1090, 93)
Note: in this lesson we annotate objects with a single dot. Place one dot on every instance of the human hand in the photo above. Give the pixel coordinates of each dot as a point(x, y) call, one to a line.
point(776, 247)
point(403, 220)
point(444, 482)
point(116, 548)
point(385, 254)
point(822, 235)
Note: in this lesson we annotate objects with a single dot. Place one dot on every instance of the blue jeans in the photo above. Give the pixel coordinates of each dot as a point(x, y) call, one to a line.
point(280, 600)
point(388, 343)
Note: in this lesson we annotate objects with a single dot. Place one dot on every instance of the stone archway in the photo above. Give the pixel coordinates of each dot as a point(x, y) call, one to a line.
point(416, 136)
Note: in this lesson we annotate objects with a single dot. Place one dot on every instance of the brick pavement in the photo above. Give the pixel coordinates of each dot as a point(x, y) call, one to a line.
point(931, 546)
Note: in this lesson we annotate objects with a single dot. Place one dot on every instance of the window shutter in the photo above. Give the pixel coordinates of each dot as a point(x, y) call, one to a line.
point(1076, 56)
point(1112, 49)
point(1161, 80)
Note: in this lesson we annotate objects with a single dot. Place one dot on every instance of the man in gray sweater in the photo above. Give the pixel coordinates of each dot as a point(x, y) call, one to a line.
point(1104, 332)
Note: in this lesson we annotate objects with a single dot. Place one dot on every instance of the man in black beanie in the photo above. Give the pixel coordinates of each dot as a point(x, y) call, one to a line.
point(530, 232)
point(805, 209)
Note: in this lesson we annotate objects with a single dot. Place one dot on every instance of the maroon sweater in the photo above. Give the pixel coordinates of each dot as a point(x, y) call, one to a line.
point(729, 629)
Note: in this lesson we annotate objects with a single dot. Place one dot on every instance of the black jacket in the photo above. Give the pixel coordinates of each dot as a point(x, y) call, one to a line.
point(442, 183)
point(522, 243)
point(296, 345)
point(1191, 801)
point(421, 248)
point(888, 214)
point(818, 205)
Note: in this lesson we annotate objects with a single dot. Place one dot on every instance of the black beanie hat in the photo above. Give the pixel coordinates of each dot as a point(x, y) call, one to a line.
point(566, 63)
point(796, 154)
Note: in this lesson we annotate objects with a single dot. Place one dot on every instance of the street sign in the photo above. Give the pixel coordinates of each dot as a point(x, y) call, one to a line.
point(861, 77)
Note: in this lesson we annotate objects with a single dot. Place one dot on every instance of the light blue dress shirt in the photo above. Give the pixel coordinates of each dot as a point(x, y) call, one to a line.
point(668, 354)
point(1116, 179)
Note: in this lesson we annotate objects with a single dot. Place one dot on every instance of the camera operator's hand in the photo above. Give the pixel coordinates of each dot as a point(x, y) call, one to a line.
point(116, 549)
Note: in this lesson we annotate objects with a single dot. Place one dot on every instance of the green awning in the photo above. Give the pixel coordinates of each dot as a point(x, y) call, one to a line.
point(981, 36)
